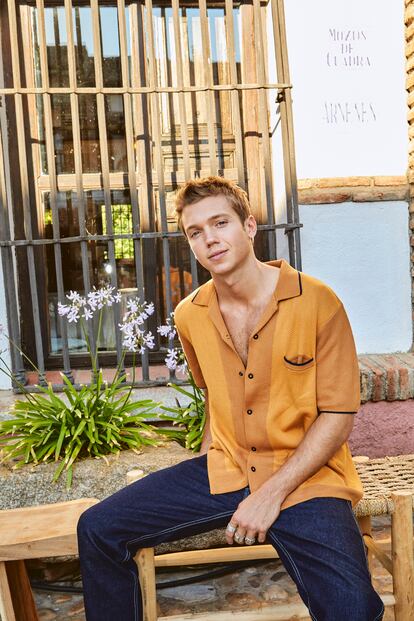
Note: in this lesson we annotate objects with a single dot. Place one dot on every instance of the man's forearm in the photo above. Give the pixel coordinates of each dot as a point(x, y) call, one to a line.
point(322, 440)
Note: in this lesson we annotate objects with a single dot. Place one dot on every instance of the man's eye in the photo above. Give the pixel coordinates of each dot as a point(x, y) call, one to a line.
point(194, 234)
point(221, 222)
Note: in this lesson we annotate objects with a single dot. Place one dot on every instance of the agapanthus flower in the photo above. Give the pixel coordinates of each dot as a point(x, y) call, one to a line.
point(84, 307)
point(168, 330)
point(135, 338)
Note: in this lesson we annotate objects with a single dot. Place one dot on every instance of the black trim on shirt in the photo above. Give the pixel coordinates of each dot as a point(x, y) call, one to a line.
point(334, 412)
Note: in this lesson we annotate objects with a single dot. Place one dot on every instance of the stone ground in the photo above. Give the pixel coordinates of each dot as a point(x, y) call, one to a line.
point(249, 588)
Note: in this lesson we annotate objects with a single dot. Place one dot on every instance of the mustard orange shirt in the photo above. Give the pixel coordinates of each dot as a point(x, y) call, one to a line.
point(301, 362)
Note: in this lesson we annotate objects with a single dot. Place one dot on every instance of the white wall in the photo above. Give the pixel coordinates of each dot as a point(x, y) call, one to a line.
point(362, 251)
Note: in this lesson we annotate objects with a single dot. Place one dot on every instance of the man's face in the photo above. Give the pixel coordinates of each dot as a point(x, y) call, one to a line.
point(218, 239)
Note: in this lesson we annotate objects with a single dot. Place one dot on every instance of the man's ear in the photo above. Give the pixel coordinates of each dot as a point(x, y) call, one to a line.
point(250, 226)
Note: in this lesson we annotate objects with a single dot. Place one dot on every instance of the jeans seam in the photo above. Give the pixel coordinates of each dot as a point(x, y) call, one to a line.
point(379, 616)
point(271, 535)
point(171, 530)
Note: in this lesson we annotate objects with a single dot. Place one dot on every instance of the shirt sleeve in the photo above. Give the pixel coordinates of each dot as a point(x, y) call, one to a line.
point(191, 359)
point(337, 369)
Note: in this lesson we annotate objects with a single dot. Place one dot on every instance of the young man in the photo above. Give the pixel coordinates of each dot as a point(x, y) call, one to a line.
point(274, 351)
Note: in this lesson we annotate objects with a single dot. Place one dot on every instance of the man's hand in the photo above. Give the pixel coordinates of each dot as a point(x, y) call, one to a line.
point(253, 518)
point(256, 513)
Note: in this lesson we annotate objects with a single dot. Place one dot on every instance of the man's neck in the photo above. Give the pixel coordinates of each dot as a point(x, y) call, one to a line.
point(248, 285)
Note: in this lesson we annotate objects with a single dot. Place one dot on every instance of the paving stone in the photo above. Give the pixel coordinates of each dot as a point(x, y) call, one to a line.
point(47, 614)
point(243, 600)
point(274, 591)
point(191, 593)
point(75, 608)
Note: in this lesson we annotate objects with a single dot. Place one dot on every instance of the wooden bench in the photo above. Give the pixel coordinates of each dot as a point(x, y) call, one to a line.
point(388, 489)
point(33, 532)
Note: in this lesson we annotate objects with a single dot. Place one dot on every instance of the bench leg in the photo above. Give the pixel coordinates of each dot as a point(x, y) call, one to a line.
point(16, 597)
point(6, 602)
point(146, 571)
point(402, 555)
point(366, 531)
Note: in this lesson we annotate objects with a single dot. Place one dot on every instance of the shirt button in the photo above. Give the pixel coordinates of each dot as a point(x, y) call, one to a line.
point(253, 448)
point(250, 411)
point(256, 336)
point(253, 469)
point(250, 376)
point(241, 373)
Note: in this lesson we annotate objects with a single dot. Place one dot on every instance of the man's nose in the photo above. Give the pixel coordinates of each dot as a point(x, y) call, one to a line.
point(211, 237)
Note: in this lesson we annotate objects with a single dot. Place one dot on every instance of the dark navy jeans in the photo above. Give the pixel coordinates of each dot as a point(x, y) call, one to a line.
point(318, 542)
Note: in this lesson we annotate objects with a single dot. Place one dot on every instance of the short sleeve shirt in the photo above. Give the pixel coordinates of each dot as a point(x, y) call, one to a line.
point(301, 362)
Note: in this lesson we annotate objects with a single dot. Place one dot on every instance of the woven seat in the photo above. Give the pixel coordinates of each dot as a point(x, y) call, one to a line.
point(381, 477)
point(388, 489)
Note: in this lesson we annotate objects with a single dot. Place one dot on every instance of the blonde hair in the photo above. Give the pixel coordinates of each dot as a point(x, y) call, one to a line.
point(195, 190)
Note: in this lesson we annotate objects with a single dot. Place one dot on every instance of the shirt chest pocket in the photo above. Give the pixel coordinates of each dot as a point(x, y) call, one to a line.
point(298, 363)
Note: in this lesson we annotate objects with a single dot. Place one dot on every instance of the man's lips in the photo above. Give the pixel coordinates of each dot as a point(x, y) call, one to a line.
point(217, 255)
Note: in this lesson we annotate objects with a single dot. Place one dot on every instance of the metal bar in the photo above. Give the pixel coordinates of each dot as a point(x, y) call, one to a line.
point(77, 154)
point(159, 163)
point(183, 118)
point(285, 103)
point(120, 90)
point(130, 141)
point(50, 154)
point(21, 140)
point(143, 168)
point(235, 103)
point(8, 270)
point(103, 145)
point(148, 235)
point(208, 82)
point(264, 127)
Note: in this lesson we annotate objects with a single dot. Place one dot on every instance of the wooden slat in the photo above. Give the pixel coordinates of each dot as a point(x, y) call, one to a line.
point(265, 152)
point(103, 145)
point(159, 163)
point(113, 90)
point(288, 143)
point(208, 82)
point(24, 182)
point(132, 177)
point(250, 113)
point(215, 555)
point(50, 156)
point(235, 102)
point(183, 116)
point(77, 156)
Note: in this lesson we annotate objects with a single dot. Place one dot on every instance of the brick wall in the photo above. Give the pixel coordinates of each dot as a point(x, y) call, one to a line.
point(356, 189)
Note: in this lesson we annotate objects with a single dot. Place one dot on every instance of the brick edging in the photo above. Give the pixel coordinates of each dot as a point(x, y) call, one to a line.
point(386, 377)
point(354, 189)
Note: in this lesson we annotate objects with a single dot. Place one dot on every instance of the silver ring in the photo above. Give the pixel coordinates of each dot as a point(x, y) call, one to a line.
point(249, 540)
point(238, 538)
point(231, 528)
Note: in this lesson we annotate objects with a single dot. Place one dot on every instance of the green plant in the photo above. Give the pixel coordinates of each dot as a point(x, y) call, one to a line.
point(95, 421)
point(188, 420)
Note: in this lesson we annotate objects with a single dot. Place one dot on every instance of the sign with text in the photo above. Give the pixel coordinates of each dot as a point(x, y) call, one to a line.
point(347, 65)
